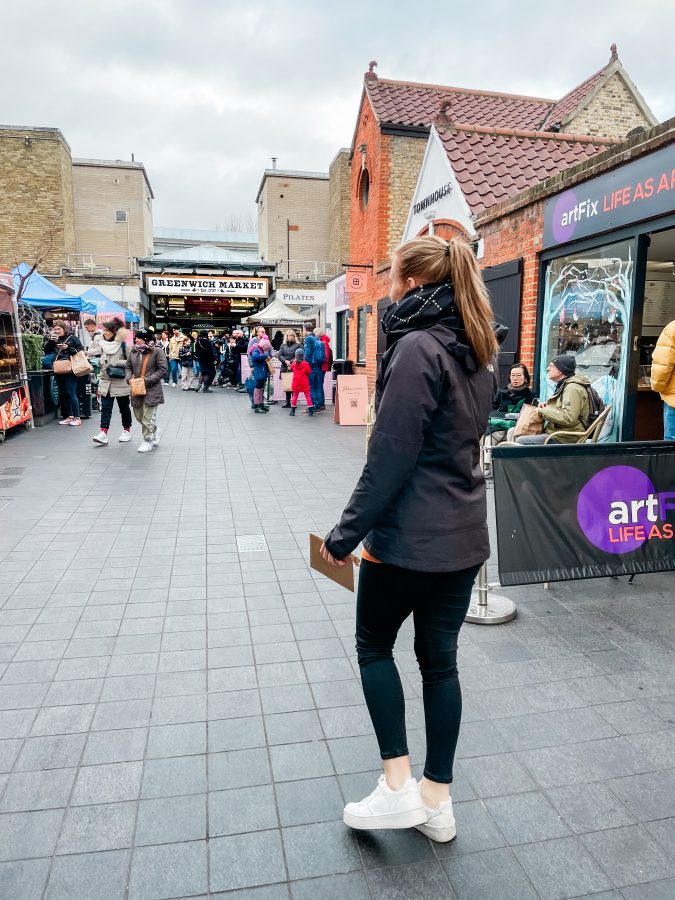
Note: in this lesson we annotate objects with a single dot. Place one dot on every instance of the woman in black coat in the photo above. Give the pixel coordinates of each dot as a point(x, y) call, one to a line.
point(65, 345)
point(206, 356)
point(420, 509)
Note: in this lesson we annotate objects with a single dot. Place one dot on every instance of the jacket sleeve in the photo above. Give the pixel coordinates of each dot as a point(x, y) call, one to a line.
point(160, 372)
point(74, 345)
point(568, 413)
point(663, 359)
point(411, 390)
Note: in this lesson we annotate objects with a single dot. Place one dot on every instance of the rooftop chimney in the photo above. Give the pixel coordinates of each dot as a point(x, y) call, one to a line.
point(274, 162)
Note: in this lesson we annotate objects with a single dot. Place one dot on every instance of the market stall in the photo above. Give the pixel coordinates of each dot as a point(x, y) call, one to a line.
point(33, 290)
point(14, 402)
point(107, 309)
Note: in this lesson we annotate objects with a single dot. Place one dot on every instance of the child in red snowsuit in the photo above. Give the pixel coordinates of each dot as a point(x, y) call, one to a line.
point(300, 385)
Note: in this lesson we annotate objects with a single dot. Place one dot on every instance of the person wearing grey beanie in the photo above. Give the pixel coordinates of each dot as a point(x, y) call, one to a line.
point(567, 411)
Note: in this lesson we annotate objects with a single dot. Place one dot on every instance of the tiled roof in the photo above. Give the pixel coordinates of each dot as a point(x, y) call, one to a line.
point(410, 104)
point(575, 97)
point(493, 164)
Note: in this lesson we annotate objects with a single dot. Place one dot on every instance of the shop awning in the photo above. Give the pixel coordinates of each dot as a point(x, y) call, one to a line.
point(107, 307)
point(277, 313)
point(42, 294)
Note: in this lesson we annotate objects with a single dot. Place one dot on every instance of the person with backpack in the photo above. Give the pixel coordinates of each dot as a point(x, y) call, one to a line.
point(569, 409)
point(315, 355)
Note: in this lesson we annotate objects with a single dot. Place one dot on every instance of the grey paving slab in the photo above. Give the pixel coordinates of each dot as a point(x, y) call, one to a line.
point(169, 870)
point(421, 881)
point(82, 876)
point(240, 861)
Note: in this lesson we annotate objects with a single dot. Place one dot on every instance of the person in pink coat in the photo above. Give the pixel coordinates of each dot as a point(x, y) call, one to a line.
point(300, 385)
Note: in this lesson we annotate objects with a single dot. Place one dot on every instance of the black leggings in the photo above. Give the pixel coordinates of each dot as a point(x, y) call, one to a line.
point(438, 602)
point(70, 405)
point(107, 404)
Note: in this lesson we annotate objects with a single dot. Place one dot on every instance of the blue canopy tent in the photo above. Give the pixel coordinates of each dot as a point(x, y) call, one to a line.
point(107, 307)
point(42, 294)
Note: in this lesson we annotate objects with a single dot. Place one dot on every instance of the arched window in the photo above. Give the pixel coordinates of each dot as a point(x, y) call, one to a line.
point(364, 189)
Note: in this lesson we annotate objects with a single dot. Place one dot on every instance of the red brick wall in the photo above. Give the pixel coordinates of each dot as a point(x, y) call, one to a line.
point(512, 237)
point(369, 232)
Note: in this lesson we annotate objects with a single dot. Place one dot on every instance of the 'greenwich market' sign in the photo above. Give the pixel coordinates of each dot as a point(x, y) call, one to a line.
point(570, 512)
point(207, 286)
point(635, 191)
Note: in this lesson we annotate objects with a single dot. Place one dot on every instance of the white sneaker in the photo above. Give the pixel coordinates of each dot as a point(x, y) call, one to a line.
point(440, 825)
point(385, 808)
point(155, 440)
point(145, 447)
point(173, 384)
point(125, 437)
point(101, 438)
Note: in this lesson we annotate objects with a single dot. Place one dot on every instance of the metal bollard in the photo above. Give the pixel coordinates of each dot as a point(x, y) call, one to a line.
point(487, 608)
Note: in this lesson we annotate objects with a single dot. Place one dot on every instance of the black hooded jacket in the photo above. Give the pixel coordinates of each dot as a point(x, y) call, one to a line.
point(420, 502)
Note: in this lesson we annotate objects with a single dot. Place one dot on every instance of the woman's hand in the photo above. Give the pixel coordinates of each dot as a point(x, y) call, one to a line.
point(330, 558)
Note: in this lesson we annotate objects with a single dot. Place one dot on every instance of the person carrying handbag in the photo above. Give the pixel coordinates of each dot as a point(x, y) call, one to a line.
point(64, 344)
point(112, 383)
point(146, 369)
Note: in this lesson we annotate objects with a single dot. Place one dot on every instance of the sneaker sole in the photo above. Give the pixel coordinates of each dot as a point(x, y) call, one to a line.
point(441, 835)
point(409, 819)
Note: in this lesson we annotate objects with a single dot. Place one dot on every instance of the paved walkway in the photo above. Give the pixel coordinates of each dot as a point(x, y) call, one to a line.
point(180, 715)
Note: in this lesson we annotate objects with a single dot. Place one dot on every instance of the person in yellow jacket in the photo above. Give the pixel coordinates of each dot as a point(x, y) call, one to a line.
point(663, 377)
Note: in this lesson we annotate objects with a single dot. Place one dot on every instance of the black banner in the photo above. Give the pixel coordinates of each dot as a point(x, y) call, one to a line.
point(570, 512)
point(638, 190)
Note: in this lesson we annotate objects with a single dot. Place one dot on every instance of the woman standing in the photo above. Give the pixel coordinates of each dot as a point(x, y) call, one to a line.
point(112, 384)
point(420, 510)
point(206, 357)
point(65, 344)
point(286, 356)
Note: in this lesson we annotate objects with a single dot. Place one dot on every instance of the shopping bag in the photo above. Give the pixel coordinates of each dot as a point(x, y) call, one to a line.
point(529, 422)
point(62, 367)
point(80, 363)
point(287, 381)
point(137, 385)
point(271, 368)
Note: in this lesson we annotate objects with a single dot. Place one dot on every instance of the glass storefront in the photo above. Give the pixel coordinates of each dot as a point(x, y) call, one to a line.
point(587, 314)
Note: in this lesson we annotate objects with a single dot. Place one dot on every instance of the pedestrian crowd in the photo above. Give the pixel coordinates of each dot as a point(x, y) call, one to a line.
point(132, 368)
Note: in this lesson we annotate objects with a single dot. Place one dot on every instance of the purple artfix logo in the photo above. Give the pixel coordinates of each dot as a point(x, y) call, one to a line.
point(563, 232)
point(619, 510)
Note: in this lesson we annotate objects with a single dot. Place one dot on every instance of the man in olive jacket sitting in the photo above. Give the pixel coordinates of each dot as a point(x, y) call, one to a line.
point(568, 409)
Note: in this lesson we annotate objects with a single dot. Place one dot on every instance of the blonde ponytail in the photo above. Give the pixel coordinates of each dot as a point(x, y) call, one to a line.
point(431, 260)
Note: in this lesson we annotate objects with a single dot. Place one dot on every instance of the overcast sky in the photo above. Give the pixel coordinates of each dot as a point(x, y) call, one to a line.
point(205, 92)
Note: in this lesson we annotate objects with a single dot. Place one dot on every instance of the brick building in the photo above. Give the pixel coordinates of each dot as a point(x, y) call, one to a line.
point(36, 185)
point(602, 283)
point(483, 145)
point(86, 220)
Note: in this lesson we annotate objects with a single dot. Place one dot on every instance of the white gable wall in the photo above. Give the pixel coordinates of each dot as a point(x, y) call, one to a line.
point(438, 193)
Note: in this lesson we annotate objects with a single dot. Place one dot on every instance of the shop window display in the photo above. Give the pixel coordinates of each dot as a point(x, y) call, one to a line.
point(587, 309)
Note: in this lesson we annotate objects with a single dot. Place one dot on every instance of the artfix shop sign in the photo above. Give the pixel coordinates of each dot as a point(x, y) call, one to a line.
point(638, 190)
point(584, 512)
point(207, 286)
